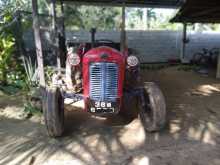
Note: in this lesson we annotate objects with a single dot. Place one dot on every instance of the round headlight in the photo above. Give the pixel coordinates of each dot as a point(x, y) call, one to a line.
point(132, 61)
point(74, 59)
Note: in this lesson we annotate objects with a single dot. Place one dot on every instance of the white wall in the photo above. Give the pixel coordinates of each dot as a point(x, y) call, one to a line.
point(151, 46)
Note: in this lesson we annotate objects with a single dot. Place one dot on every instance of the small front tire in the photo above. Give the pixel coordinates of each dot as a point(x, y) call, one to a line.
point(54, 112)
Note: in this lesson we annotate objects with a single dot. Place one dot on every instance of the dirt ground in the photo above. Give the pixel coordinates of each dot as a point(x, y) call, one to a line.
point(192, 135)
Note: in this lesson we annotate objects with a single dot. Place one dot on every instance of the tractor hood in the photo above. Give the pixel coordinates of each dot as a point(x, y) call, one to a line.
point(104, 54)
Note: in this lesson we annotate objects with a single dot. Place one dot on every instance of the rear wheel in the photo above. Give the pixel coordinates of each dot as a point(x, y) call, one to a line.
point(54, 112)
point(152, 108)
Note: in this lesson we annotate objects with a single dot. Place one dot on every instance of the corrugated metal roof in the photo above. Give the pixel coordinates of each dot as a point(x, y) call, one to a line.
point(199, 11)
point(132, 3)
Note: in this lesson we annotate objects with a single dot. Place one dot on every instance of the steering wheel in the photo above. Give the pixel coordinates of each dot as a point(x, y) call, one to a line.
point(104, 41)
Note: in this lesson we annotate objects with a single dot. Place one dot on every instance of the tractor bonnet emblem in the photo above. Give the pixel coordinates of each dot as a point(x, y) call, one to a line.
point(104, 56)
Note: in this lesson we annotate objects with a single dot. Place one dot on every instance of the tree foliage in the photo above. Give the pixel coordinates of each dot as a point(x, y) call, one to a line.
point(6, 46)
point(10, 68)
point(6, 50)
point(138, 18)
point(87, 17)
point(105, 18)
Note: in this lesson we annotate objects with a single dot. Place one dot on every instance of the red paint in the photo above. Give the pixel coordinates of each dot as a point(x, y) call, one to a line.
point(94, 55)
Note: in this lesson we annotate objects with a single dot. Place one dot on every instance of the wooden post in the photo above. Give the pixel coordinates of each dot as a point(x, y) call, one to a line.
point(184, 41)
point(63, 20)
point(62, 38)
point(38, 43)
point(55, 33)
point(123, 31)
point(218, 67)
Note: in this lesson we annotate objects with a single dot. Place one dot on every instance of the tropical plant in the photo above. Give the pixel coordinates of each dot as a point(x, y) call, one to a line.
point(6, 50)
point(31, 72)
point(11, 71)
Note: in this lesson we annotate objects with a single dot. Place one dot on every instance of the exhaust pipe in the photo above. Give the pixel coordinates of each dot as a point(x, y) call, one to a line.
point(93, 31)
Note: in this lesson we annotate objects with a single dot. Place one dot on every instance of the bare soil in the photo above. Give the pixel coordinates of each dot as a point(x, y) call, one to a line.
point(192, 135)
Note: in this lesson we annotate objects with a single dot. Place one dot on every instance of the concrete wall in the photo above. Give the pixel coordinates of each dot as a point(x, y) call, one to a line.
point(151, 46)
point(154, 46)
point(198, 41)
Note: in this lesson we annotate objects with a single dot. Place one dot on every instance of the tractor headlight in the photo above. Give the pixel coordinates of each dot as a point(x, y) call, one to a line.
point(132, 61)
point(74, 59)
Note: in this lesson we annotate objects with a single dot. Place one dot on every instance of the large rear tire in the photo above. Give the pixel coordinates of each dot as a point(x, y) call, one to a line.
point(54, 112)
point(152, 108)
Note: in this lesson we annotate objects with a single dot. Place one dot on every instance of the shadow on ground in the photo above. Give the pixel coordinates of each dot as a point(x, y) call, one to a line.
point(192, 135)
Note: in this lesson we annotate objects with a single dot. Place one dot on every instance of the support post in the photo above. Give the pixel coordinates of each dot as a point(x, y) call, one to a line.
point(38, 44)
point(62, 38)
point(123, 31)
point(63, 20)
point(218, 67)
point(184, 41)
point(55, 33)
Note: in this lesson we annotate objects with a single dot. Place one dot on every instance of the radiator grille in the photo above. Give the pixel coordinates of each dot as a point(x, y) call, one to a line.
point(103, 81)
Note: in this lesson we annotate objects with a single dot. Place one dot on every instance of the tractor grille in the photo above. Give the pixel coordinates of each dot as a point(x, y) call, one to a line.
point(103, 81)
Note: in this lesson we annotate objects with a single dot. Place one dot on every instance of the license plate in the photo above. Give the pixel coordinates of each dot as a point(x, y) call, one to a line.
point(100, 104)
point(102, 110)
point(102, 107)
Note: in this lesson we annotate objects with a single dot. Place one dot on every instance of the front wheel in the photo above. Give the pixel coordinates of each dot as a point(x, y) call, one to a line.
point(54, 112)
point(152, 108)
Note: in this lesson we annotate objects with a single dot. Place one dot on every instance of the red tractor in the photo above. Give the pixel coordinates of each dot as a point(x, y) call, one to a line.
point(108, 81)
